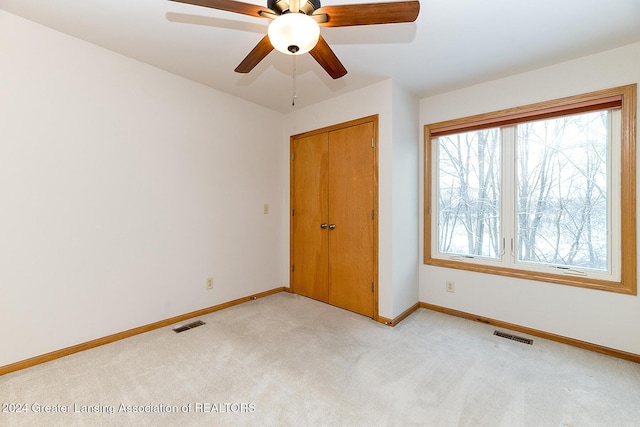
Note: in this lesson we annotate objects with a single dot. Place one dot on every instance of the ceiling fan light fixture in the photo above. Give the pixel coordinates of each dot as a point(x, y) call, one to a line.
point(293, 33)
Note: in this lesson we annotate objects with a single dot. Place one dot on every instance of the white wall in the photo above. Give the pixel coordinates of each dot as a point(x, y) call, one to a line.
point(598, 317)
point(405, 196)
point(122, 188)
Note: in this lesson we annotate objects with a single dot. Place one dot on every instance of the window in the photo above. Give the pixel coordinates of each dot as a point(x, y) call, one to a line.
point(545, 192)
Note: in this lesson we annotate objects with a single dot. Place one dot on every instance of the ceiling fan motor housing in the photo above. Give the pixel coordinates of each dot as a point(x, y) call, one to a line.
point(281, 6)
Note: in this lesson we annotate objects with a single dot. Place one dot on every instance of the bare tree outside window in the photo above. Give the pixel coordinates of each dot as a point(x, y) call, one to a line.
point(562, 191)
point(469, 193)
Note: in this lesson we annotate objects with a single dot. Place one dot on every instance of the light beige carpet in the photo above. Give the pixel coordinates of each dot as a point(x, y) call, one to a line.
point(288, 360)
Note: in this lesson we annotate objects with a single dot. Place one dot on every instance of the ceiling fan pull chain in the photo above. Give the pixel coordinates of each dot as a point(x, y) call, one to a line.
point(294, 89)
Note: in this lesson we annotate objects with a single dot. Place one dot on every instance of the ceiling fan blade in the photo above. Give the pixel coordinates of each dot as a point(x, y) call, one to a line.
point(229, 6)
point(327, 59)
point(371, 13)
point(262, 49)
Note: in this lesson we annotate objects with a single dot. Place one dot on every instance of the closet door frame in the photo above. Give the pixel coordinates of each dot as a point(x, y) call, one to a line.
point(369, 119)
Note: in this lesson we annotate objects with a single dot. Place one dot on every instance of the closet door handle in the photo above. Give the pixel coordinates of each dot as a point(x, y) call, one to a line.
point(323, 226)
point(332, 226)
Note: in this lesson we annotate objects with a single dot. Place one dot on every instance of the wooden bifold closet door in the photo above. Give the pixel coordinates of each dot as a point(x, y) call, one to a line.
point(334, 215)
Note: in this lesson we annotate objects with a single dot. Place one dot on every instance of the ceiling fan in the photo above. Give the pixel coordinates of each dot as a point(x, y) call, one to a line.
point(294, 29)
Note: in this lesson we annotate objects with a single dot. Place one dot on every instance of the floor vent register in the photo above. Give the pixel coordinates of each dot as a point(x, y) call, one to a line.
point(513, 337)
point(188, 326)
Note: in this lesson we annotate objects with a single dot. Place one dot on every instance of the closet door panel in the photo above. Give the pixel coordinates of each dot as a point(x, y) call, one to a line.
point(351, 208)
point(309, 195)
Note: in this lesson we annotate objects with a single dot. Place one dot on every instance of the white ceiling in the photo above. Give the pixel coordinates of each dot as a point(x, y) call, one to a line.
point(453, 43)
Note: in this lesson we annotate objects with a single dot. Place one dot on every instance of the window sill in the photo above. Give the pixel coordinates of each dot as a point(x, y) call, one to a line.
point(628, 287)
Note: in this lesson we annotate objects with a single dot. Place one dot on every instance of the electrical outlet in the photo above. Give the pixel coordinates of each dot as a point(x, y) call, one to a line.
point(209, 283)
point(451, 286)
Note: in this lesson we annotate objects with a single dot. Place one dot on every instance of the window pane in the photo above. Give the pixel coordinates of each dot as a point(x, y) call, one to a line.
point(468, 180)
point(562, 191)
